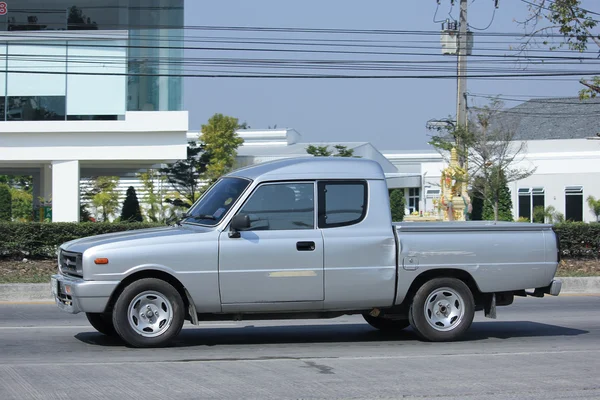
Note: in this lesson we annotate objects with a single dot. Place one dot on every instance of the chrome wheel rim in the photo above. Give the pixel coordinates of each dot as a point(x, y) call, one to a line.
point(444, 309)
point(150, 314)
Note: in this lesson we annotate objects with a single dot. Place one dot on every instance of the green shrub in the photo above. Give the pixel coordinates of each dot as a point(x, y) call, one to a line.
point(5, 203)
point(579, 239)
point(41, 240)
point(131, 207)
point(397, 204)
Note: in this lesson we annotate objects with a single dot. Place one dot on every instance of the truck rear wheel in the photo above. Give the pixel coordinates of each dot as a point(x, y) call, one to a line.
point(148, 313)
point(442, 310)
point(385, 324)
point(102, 323)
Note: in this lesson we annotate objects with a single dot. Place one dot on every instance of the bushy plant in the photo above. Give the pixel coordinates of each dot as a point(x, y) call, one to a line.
point(397, 204)
point(41, 240)
point(131, 207)
point(5, 203)
point(579, 239)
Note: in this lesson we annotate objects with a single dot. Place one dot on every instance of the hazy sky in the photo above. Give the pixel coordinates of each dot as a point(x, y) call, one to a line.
point(390, 113)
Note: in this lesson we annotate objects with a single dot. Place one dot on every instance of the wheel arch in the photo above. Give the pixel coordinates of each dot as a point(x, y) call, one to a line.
point(428, 275)
point(156, 274)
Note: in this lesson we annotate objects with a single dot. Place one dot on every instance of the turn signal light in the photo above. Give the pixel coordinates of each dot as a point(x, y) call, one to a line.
point(101, 261)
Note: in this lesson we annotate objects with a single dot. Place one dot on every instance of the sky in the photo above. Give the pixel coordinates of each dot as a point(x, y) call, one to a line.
point(390, 113)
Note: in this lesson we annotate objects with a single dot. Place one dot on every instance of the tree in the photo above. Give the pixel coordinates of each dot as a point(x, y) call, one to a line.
point(397, 204)
point(131, 207)
point(594, 206)
point(498, 205)
point(323, 151)
point(220, 141)
point(24, 182)
point(22, 204)
point(491, 152)
point(104, 195)
point(548, 214)
point(79, 21)
point(5, 203)
point(154, 196)
point(566, 19)
point(184, 176)
point(205, 162)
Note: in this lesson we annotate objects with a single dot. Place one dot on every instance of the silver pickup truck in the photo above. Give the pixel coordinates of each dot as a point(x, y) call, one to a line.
point(302, 238)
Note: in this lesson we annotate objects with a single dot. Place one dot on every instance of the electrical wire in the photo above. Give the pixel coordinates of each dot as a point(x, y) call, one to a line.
point(488, 26)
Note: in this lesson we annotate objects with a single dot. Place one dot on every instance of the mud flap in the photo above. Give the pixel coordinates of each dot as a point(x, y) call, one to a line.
point(191, 308)
point(490, 306)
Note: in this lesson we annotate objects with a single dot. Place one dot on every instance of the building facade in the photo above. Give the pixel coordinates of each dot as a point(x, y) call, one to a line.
point(89, 88)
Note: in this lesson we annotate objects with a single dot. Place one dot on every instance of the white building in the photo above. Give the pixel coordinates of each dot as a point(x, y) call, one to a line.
point(562, 144)
point(80, 99)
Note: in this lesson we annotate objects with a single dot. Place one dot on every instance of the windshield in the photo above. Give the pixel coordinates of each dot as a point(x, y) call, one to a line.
point(213, 206)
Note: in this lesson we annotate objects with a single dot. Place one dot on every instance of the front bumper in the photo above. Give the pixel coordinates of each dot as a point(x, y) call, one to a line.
point(75, 295)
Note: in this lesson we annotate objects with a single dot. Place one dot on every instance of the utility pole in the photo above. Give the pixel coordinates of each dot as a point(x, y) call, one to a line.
point(461, 93)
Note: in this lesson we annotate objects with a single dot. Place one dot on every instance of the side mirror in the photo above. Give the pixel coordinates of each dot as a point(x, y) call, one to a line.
point(238, 223)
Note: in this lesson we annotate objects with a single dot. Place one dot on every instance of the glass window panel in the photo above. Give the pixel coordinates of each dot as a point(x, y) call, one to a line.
point(217, 201)
point(574, 203)
point(104, 91)
point(45, 15)
point(525, 206)
point(2, 108)
point(38, 108)
point(288, 206)
point(43, 56)
point(2, 74)
point(342, 203)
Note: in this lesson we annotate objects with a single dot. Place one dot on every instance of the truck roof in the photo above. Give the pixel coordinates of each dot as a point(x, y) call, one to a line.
point(313, 168)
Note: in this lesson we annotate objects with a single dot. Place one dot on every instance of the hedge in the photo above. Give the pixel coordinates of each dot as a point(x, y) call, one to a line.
point(579, 239)
point(41, 240)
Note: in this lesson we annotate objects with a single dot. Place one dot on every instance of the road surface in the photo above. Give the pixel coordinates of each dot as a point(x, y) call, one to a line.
point(537, 349)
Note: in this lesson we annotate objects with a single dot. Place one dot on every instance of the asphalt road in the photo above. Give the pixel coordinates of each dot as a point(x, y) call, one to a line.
point(537, 349)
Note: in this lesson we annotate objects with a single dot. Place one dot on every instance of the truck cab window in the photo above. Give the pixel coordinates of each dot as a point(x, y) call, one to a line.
point(342, 203)
point(282, 206)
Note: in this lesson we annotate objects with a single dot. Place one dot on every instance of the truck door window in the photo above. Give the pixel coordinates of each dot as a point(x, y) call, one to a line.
point(281, 206)
point(342, 203)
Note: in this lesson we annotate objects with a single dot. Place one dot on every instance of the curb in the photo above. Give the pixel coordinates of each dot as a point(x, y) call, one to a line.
point(40, 292)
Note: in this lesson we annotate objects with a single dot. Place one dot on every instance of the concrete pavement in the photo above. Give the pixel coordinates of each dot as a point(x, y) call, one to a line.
point(537, 349)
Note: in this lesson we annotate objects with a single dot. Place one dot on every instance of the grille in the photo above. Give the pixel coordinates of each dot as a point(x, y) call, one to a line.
point(70, 263)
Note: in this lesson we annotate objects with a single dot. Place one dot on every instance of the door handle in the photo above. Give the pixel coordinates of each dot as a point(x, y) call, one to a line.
point(305, 246)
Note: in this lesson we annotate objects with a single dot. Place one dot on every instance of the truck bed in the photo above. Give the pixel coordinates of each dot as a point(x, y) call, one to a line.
point(500, 256)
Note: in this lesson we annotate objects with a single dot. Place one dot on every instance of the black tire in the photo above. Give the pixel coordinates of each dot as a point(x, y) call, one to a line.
point(102, 323)
point(170, 302)
point(442, 327)
point(386, 325)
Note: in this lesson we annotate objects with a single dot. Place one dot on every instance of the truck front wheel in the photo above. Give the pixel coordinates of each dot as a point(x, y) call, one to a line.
point(102, 323)
point(442, 310)
point(148, 313)
point(385, 324)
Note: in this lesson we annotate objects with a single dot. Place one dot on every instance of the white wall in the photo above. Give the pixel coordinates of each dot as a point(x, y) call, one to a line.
point(141, 136)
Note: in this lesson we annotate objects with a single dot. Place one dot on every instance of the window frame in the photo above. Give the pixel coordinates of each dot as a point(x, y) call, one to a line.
point(322, 205)
point(529, 193)
point(575, 190)
point(269, 183)
point(415, 197)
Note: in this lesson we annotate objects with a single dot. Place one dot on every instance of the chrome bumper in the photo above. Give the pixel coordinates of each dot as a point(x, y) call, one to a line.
point(554, 288)
point(75, 295)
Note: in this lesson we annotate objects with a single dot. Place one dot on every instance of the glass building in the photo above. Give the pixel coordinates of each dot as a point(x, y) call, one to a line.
point(90, 59)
